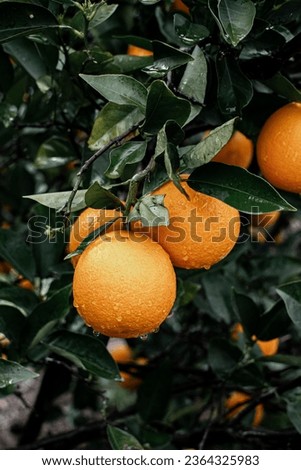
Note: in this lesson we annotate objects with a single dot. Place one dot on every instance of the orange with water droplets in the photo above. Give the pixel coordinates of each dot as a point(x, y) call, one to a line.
point(238, 151)
point(124, 285)
point(202, 230)
point(88, 221)
point(279, 148)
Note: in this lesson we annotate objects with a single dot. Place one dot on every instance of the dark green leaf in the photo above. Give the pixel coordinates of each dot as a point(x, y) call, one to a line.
point(204, 151)
point(86, 352)
point(236, 17)
point(28, 54)
point(57, 200)
point(11, 322)
point(151, 211)
point(194, 81)
point(100, 198)
point(22, 19)
point(274, 323)
point(112, 121)
point(54, 152)
point(247, 312)
point(122, 440)
point(45, 317)
point(130, 63)
point(166, 58)
point(103, 12)
point(154, 393)
point(293, 408)
point(235, 90)
point(13, 248)
point(284, 87)
point(12, 373)
point(189, 33)
point(238, 187)
point(127, 154)
point(223, 357)
point(7, 71)
point(162, 106)
point(119, 89)
point(218, 294)
point(23, 299)
point(291, 295)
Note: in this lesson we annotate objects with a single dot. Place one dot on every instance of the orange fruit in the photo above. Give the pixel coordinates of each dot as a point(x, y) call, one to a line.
point(237, 401)
point(268, 348)
point(138, 51)
point(123, 354)
point(124, 285)
point(278, 148)
point(5, 267)
point(238, 151)
point(202, 230)
point(4, 341)
point(88, 221)
point(178, 5)
point(25, 284)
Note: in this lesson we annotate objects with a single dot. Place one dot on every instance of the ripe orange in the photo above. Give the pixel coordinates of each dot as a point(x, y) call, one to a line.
point(123, 354)
point(138, 51)
point(237, 401)
point(202, 230)
point(88, 221)
point(278, 148)
point(238, 151)
point(178, 5)
point(268, 348)
point(124, 285)
point(25, 284)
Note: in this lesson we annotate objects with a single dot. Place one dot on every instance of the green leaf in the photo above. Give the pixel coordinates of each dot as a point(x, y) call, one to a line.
point(235, 90)
point(238, 187)
point(154, 393)
point(162, 105)
point(119, 89)
point(22, 19)
point(247, 312)
point(112, 121)
point(12, 373)
point(11, 322)
point(293, 408)
point(223, 357)
point(204, 151)
point(54, 152)
point(103, 12)
point(86, 352)
point(57, 200)
point(218, 294)
point(30, 55)
point(13, 248)
point(23, 299)
point(122, 440)
point(188, 32)
point(127, 154)
point(7, 71)
point(236, 17)
point(283, 87)
point(291, 296)
point(273, 323)
point(166, 58)
point(100, 198)
point(151, 211)
point(194, 81)
point(45, 317)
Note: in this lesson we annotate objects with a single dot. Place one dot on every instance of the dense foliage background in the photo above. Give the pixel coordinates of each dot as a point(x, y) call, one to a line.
point(69, 93)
